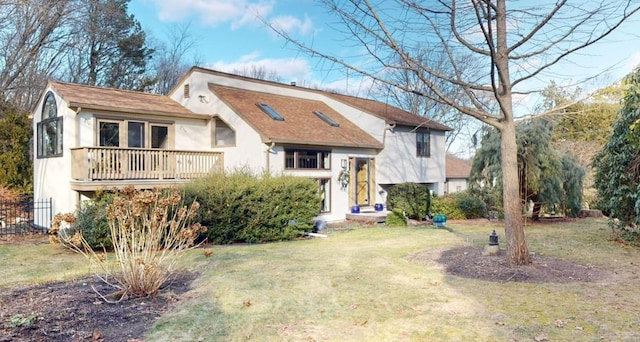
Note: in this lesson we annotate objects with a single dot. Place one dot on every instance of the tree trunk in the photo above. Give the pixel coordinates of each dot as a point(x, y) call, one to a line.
point(517, 251)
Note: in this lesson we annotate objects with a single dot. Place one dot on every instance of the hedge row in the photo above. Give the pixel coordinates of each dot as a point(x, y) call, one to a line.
point(240, 207)
point(235, 207)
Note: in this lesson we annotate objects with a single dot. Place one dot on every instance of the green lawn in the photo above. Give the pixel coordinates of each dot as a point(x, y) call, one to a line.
point(359, 285)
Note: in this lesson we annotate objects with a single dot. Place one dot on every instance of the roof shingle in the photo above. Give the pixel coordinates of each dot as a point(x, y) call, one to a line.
point(90, 97)
point(457, 167)
point(300, 125)
point(388, 112)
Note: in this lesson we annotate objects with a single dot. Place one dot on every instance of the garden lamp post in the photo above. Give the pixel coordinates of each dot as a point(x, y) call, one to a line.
point(492, 248)
point(493, 238)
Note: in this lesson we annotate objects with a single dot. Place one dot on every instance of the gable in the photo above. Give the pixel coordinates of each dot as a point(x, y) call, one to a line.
point(299, 124)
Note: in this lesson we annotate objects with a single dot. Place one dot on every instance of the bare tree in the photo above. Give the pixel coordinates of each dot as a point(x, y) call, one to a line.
point(414, 102)
point(32, 37)
point(517, 44)
point(171, 60)
point(260, 72)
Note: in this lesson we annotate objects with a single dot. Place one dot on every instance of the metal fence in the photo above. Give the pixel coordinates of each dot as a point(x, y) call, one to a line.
point(25, 215)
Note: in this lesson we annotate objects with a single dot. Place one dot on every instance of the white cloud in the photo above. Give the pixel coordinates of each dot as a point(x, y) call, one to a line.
point(292, 24)
point(288, 69)
point(633, 61)
point(213, 12)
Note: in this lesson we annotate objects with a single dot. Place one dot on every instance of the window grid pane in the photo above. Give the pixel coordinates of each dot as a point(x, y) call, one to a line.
point(307, 159)
point(422, 144)
point(325, 194)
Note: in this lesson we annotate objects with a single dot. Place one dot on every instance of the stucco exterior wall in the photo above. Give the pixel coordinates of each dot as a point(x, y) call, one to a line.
point(454, 185)
point(51, 175)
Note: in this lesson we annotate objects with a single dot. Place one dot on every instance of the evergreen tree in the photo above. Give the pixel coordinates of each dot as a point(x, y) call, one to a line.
point(15, 134)
point(110, 47)
point(546, 175)
point(617, 176)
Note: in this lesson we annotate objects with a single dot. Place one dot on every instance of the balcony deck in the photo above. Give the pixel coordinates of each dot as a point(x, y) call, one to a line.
point(93, 168)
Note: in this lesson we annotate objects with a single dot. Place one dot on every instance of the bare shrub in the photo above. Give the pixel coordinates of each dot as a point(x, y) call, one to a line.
point(150, 230)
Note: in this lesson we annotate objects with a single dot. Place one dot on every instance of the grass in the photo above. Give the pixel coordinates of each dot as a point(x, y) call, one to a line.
point(359, 285)
point(33, 261)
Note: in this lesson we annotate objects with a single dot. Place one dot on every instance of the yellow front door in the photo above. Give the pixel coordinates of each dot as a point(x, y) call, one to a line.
point(362, 181)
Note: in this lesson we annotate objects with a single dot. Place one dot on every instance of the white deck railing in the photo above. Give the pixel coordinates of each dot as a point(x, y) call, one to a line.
point(114, 163)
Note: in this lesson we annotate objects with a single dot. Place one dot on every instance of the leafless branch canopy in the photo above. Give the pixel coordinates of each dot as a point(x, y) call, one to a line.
point(506, 44)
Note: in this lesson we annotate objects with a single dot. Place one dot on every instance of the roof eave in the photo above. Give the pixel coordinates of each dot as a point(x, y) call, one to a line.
point(139, 111)
point(328, 144)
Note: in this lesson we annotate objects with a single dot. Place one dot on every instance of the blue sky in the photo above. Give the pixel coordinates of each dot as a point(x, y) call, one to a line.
point(229, 36)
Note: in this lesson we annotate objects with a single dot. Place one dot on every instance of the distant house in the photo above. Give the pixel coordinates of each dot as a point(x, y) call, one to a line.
point(457, 172)
point(91, 138)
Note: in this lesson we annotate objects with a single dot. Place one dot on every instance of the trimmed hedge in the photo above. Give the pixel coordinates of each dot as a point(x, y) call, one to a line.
point(241, 207)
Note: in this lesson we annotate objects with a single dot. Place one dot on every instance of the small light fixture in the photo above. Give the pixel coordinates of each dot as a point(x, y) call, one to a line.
point(493, 238)
point(343, 163)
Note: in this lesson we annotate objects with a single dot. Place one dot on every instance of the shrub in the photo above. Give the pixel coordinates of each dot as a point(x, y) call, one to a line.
point(413, 198)
point(448, 206)
point(91, 221)
point(241, 207)
point(472, 207)
point(150, 230)
point(396, 218)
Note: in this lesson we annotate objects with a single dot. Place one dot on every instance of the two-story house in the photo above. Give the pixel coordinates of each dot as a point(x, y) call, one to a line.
point(91, 138)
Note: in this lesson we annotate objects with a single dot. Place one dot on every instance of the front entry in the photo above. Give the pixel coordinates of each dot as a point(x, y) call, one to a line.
point(362, 174)
point(362, 181)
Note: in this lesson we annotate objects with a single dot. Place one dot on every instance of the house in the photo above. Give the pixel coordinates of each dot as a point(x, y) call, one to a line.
point(457, 172)
point(91, 138)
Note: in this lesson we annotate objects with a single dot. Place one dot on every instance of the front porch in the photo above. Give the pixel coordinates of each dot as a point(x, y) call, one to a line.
point(93, 168)
point(368, 214)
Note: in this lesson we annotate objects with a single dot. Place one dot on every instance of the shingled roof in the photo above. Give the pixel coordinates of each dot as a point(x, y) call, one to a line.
point(118, 100)
point(457, 167)
point(300, 125)
point(388, 112)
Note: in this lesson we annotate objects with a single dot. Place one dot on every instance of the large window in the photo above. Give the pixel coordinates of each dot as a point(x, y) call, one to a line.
point(324, 185)
point(223, 135)
point(134, 134)
point(423, 144)
point(49, 129)
point(307, 159)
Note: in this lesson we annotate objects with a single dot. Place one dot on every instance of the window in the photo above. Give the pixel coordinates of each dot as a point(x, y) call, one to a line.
point(270, 111)
point(109, 134)
point(223, 135)
point(423, 145)
point(324, 185)
point(326, 118)
point(159, 136)
point(307, 159)
point(134, 134)
point(49, 129)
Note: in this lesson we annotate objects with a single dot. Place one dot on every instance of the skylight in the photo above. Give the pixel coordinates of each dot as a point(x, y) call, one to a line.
point(270, 111)
point(326, 118)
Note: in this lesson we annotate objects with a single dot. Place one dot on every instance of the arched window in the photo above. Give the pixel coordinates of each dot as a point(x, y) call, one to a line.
point(49, 129)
